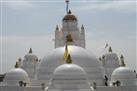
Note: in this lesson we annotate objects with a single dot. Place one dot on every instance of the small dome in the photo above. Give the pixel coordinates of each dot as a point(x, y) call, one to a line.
point(69, 16)
point(111, 58)
point(70, 76)
point(15, 75)
point(30, 56)
point(125, 75)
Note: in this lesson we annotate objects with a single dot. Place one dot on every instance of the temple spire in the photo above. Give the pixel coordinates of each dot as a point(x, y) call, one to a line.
point(30, 50)
point(67, 6)
point(110, 49)
point(68, 60)
point(16, 65)
point(122, 61)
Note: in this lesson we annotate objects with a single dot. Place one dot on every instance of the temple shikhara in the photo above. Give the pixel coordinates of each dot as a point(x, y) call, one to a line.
point(70, 66)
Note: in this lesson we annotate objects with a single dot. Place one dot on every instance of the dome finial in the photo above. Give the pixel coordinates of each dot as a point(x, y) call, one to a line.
point(68, 60)
point(122, 61)
point(30, 50)
point(69, 12)
point(66, 52)
point(110, 49)
point(16, 65)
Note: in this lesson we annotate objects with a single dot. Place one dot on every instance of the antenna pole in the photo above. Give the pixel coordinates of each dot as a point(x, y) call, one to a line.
point(67, 5)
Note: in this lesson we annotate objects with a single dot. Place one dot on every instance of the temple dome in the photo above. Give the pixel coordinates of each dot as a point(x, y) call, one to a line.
point(30, 56)
point(70, 17)
point(69, 76)
point(125, 75)
point(15, 75)
point(111, 58)
point(80, 56)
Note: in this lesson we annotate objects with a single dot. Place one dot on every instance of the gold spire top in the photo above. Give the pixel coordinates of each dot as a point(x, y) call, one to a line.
point(30, 50)
point(16, 65)
point(122, 61)
point(68, 60)
point(66, 52)
point(110, 49)
point(69, 38)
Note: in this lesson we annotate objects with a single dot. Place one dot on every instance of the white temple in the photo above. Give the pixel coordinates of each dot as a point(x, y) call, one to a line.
point(70, 66)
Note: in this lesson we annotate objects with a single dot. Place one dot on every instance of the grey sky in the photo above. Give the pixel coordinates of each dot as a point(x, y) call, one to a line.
point(26, 24)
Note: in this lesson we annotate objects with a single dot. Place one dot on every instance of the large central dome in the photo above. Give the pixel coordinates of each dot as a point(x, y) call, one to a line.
point(80, 56)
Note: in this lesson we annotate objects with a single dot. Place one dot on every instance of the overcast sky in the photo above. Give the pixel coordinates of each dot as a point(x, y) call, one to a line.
point(31, 23)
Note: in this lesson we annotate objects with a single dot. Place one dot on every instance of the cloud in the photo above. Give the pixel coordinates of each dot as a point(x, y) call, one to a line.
point(118, 5)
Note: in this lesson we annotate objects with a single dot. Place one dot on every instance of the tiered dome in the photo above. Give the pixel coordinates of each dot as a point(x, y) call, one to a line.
point(80, 56)
point(70, 17)
point(15, 75)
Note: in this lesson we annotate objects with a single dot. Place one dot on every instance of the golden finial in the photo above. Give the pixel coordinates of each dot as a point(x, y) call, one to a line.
point(30, 50)
point(110, 49)
point(69, 38)
point(122, 61)
point(16, 65)
point(68, 60)
point(66, 52)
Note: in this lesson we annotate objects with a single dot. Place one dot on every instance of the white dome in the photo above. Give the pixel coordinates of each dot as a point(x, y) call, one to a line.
point(15, 75)
point(30, 56)
point(125, 75)
point(69, 76)
point(69, 71)
point(80, 56)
